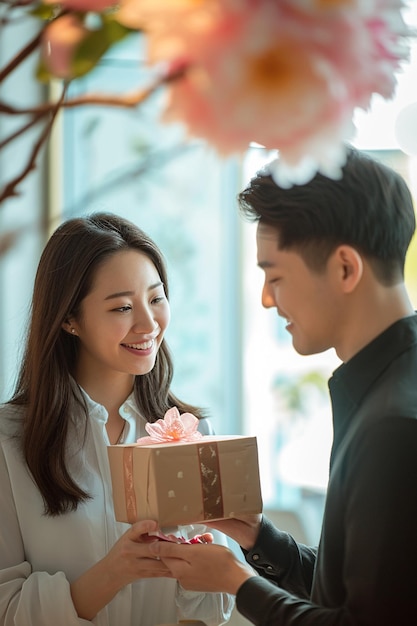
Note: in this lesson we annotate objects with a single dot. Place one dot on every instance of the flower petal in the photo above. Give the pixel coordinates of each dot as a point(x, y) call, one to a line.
point(174, 427)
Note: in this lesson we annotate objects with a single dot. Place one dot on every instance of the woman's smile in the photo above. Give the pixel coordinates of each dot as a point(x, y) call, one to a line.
point(145, 348)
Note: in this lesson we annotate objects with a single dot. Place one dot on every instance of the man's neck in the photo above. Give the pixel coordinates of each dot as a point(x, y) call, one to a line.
point(370, 315)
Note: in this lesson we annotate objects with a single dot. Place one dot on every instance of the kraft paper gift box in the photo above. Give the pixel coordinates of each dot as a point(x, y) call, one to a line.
point(186, 482)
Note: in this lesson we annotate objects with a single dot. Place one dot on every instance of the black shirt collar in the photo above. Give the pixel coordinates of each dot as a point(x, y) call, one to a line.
point(351, 380)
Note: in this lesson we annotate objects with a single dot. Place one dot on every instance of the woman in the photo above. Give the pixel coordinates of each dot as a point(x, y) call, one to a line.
point(95, 369)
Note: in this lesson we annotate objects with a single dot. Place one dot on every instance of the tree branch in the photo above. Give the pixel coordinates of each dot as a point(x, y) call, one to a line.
point(23, 54)
point(128, 100)
point(10, 188)
point(35, 119)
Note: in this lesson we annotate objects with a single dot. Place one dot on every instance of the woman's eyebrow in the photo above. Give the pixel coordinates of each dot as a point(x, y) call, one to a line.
point(119, 294)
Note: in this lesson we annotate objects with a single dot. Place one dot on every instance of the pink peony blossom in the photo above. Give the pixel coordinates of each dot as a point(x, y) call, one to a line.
point(287, 74)
point(60, 39)
point(167, 15)
point(174, 427)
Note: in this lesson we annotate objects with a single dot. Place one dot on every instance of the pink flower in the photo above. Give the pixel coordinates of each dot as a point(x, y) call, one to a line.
point(166, 15)
point(174, 427)
point(59, 42)
point(287, 74)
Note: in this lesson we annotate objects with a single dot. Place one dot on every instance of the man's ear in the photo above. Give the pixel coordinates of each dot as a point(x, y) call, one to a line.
point(349, 266)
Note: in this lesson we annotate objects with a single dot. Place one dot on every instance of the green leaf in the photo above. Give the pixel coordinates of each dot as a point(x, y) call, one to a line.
point(44, 11)
point(96, 44)
point(42, 74)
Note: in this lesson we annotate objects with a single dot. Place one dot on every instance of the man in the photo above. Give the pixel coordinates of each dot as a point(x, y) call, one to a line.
point(333, 256)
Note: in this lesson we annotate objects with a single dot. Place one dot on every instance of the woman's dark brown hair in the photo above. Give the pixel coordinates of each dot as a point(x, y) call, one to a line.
point(45, 386)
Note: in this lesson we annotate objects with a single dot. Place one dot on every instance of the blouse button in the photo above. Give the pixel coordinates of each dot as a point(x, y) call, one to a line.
point(255, 557)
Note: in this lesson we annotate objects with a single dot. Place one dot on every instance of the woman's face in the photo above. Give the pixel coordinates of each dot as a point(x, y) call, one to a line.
point(122, 320)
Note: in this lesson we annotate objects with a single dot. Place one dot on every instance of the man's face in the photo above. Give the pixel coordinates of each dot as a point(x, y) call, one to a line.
point(305, 298)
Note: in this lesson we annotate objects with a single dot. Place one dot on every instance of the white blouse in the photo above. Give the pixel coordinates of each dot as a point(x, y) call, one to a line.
point(41, 555)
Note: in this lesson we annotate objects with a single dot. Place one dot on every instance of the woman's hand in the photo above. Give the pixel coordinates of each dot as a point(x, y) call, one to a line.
point(128, 560)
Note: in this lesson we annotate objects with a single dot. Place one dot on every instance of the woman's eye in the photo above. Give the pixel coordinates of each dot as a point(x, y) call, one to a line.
point(123, 309)
point(158, 299)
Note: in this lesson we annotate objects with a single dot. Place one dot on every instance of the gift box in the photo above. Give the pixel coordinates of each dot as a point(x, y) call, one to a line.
point(186, 482)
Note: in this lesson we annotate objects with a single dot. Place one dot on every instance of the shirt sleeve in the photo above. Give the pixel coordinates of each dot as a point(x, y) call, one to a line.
point(205, 426)
point(378, 482)
point(280, 595)
point(27, 597)
point(277, 557)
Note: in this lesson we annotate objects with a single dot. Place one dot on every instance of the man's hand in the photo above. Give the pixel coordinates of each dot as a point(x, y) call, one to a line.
point(244, 530)
point(202, 567)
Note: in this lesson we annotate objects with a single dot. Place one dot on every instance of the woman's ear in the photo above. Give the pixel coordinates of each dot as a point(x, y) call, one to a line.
point(350, 267)
point(67, 325)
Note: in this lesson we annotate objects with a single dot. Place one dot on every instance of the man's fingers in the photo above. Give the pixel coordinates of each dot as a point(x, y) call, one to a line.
point(169, 550)
point(163, 548)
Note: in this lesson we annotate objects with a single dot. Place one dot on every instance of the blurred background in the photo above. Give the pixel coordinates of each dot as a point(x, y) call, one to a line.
point(231, 356)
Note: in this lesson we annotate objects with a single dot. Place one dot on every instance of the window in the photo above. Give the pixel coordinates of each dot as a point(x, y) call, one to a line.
point(183, 196)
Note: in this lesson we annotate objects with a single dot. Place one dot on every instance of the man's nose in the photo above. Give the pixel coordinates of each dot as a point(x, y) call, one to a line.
point(268, 299)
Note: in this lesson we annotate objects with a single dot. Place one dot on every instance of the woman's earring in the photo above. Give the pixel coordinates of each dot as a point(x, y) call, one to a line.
point(73, 330)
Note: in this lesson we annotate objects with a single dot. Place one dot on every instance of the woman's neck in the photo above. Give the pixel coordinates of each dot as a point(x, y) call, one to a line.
point(110, 392)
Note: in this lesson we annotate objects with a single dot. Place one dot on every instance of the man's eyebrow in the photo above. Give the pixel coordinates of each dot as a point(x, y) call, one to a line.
point(120, 294)
point(265, 264)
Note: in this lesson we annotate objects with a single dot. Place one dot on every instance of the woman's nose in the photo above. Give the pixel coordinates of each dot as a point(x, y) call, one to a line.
point(144, 322)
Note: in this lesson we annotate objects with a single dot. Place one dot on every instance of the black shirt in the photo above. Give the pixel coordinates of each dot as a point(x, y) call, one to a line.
point(364, 571)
